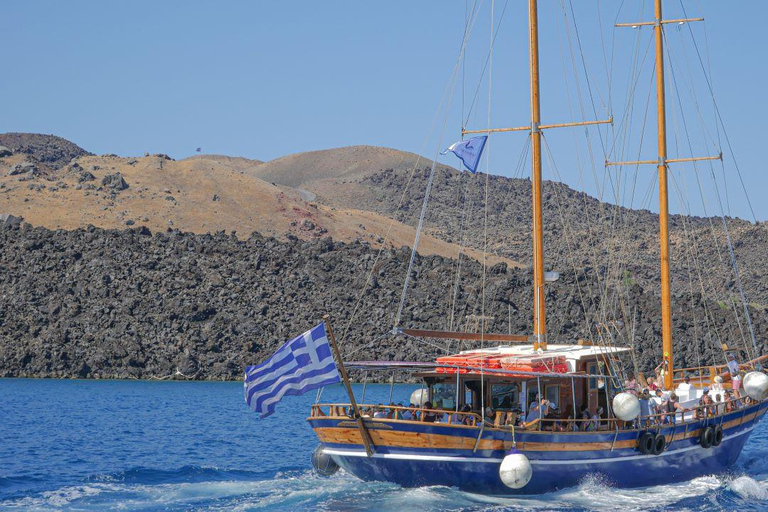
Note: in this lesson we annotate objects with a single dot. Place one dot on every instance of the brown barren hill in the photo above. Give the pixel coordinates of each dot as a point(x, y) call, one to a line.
point(200, 194)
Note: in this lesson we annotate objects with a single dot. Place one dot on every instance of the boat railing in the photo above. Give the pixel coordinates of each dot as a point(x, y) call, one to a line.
point(688, 415)
point(705, 375)
point(507, 420)
point(396, 413)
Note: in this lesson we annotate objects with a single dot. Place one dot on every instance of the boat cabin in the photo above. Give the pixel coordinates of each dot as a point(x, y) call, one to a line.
point(507, 379)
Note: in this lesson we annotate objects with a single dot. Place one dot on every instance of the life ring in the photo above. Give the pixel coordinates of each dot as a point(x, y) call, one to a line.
point(707, 437)
point(645, 443)
point(659, 444)
point(718, 436)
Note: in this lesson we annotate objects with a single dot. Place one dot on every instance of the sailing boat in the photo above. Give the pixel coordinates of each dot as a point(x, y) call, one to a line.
point(450, 439)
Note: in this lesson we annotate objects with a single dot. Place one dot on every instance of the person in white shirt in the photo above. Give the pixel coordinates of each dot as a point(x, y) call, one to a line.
point(717, 387)
point(684, 389)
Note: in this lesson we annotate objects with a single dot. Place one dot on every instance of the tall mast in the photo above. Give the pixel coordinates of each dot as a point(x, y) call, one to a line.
point(662, 163)
point(539, 306)
point(666, 305)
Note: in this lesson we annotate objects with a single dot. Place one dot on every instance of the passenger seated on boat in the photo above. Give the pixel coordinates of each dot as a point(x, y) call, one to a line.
point(737, 403)
point(720, 407)
point(571, 426)
point(539, 411)
point(652, 384)
point(586, 423)
point(429, 416)
point(707, 402)
point(596, 423)
point(490, 416)
point(393, 413)
point(717, 387)
point(466, 418)
point(410, 413)
point(380, 413)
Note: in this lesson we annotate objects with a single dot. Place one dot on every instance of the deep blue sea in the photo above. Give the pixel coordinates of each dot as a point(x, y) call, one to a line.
point(137, 445)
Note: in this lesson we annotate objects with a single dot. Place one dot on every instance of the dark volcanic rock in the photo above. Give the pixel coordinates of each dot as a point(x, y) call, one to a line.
point(126, 304)
point(85, 176)
point(4, 151)
point(114, 181)
point(55, 152)
point(23, 168)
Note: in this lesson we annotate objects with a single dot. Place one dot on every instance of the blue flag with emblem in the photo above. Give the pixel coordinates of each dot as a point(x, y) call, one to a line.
point(303, 364)
point(469, 151)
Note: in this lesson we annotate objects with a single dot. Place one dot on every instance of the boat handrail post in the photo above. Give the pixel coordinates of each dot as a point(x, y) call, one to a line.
point(458, 374)
point(367, 442)
point(538, 404)
point(573, 395)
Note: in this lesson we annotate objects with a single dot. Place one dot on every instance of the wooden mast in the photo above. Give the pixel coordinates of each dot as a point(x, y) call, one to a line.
point(666, 305)
point(539, 306)
point(662, 164)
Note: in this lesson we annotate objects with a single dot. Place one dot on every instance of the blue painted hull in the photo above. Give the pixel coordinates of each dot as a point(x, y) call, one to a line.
point(559, 460)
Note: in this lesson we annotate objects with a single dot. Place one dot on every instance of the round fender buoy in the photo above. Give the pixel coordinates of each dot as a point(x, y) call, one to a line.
point(515, 470)
point(718, 438)
point(323, 463)
point(659, 444)
point(756, 385)
point(645, 443)
point(707, 437)
point(419, 397)
point(626, 406)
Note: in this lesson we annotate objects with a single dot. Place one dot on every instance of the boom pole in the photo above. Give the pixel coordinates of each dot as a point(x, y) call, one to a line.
point(539, 306)
point(666, 305)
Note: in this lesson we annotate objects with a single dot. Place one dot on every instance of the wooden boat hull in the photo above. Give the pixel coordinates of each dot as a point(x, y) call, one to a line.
point(414, 454)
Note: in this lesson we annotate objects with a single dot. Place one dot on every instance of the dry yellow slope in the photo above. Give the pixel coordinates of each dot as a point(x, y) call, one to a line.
point(301, 170)
point(180, 194)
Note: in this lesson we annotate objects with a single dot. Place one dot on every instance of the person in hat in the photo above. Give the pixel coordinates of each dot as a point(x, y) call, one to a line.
point(707, 403)
point(733, 370)
point(717, 386)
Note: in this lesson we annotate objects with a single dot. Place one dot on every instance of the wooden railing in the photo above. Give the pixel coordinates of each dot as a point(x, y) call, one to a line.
point(705, 375)
point(505, 419)
point(395, 412)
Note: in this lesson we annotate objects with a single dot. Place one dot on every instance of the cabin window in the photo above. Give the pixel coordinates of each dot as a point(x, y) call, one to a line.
point(592, 370)
point(444, 396)
point(505, 397)
point(552, 393)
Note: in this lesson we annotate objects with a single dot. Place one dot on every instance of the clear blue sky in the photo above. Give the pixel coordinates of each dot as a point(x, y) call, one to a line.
point(265, 79)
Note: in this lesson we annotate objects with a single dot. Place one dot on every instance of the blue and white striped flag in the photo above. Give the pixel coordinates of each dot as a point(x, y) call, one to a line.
point(303, 364)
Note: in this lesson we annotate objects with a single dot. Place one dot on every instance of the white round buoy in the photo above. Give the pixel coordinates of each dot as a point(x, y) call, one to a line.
point(626, 406)
point(756, 385)
point(515, 470)
point(420, 397)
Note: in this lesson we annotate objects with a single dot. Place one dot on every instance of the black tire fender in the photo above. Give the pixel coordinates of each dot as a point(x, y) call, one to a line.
point(718, 437)
point(707, 437)
point(659, 444)
point(645, 443)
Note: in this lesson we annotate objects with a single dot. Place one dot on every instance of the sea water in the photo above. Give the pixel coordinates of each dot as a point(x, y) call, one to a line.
point(142, 445)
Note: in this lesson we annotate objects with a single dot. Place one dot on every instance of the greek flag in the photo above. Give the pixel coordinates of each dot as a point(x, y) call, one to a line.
point(469, 151)
point(302, 364)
